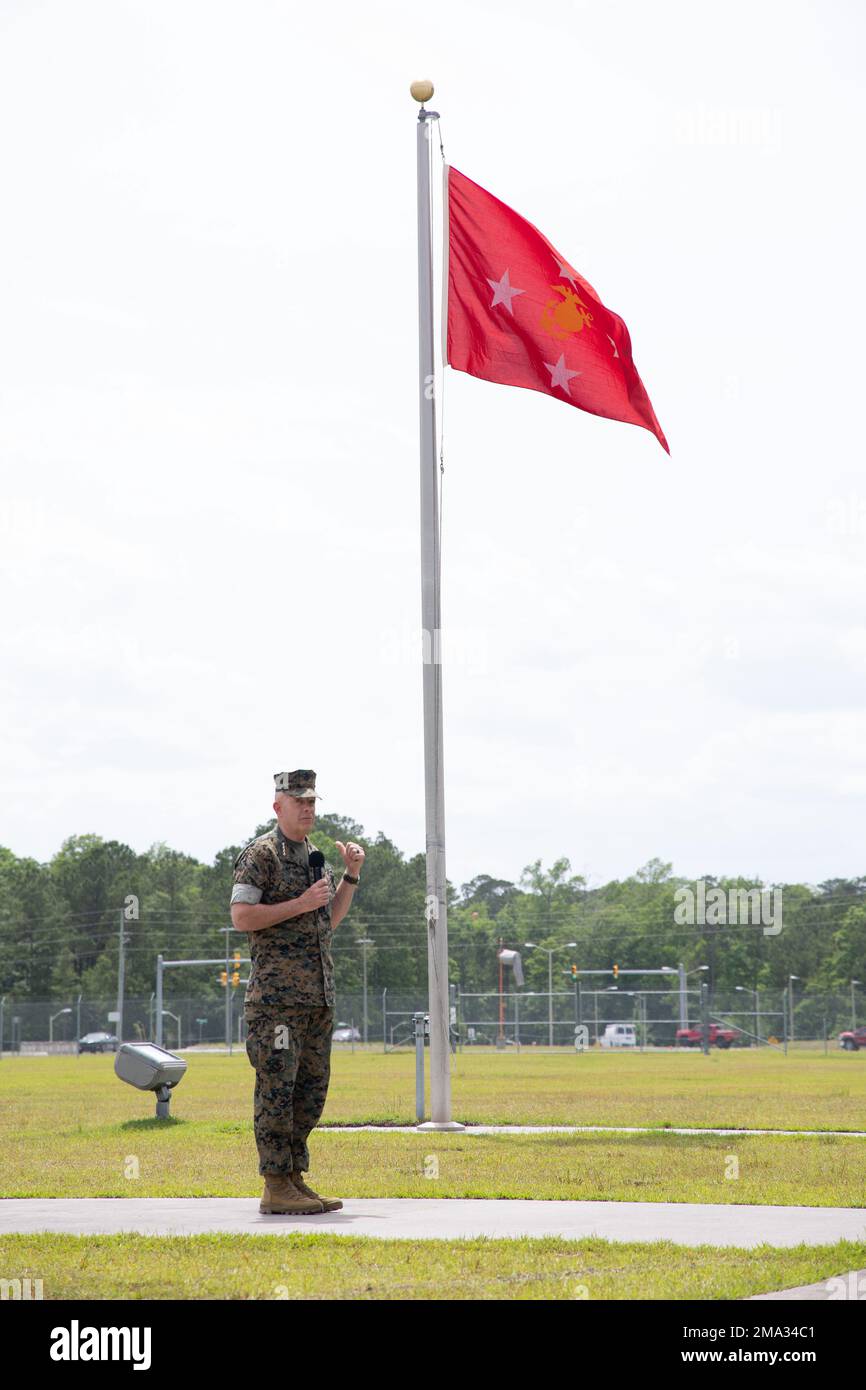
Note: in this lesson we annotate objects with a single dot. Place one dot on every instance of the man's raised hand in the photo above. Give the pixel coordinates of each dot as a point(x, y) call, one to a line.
point(353, 857)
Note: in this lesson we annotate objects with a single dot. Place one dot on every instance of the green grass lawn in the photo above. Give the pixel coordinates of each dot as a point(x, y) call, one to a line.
point(299, 1266)
point(70, 1128)
point(178, 1158)
point(740, 1088)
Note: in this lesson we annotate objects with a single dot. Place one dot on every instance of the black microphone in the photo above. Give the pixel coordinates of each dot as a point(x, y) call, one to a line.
point(317, 863)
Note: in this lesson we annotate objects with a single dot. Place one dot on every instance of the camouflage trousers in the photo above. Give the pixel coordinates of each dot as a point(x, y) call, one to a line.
point(290, 1050)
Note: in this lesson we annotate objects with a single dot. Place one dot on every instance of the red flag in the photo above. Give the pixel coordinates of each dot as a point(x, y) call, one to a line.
point(519, 314)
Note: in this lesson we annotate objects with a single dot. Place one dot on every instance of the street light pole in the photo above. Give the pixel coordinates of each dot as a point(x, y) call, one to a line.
point(51, 1024)
point(791, 1005)
point(550, 999)
point(741, 989)
point(168, 1013)
point(364, 942)
point(551, 950)
point(229, 995)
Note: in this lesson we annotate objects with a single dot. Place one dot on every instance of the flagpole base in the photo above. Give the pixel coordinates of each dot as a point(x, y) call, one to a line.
point(443, 1125)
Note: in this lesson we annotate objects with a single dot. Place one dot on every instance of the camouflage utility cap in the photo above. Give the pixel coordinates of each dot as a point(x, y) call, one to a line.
point(302, 783)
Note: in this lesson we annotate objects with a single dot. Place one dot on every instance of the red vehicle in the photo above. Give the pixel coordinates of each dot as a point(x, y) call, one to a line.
point(853, 1039)
point(719, 1037)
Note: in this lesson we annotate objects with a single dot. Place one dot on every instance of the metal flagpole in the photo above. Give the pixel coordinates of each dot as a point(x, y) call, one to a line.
point(434, 782)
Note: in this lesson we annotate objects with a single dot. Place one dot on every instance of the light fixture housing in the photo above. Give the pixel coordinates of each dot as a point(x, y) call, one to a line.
point(149, 1067)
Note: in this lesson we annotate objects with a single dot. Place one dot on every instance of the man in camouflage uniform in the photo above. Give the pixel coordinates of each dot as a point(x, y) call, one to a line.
point(289, 1003)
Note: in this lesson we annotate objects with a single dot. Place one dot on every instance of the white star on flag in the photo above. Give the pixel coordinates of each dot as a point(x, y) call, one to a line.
point(566, 273)
point(503, 293)
point(560, 375)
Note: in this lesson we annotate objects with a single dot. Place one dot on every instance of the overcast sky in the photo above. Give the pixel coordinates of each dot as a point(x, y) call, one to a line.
point(209, 520)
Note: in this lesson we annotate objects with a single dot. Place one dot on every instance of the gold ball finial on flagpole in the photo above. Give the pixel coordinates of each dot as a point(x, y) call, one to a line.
point(422, 91)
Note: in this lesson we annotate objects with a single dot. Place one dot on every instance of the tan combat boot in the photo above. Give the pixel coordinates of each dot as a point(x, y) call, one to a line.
point(328, 1203)
point(282, 1198)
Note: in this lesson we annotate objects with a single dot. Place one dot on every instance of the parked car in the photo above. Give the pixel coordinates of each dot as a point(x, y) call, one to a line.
point(719, 1037)
point(97, 1042)
point(619, 1035)
point(853, 1038)
point(344, 1033)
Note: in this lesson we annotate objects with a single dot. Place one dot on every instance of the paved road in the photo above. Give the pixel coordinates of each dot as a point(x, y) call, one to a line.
point(406, 1218)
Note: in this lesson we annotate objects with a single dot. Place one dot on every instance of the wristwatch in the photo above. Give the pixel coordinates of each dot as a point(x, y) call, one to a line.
point(347, 878)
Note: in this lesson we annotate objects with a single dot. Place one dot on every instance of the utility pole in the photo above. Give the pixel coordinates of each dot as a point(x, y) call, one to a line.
point(121, 968)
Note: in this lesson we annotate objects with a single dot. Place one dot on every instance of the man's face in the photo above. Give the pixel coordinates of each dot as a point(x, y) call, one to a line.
point(295, 815)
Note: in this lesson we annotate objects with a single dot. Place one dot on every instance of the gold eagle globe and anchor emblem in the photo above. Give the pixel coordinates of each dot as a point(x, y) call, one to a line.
point(566, 315)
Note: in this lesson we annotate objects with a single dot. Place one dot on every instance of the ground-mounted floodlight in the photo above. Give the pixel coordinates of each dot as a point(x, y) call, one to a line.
point(512, 958)
point(150, 1068)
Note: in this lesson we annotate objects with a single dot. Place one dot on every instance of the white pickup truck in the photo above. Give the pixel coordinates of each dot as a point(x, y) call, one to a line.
point(619, 1035)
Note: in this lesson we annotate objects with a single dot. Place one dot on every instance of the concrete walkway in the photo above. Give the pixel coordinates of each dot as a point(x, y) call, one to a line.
point(591, 1129)
point(404, 1218)
point(850, 1287)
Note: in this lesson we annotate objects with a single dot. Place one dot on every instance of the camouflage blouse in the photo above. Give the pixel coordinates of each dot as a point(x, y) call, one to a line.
point(291, 965)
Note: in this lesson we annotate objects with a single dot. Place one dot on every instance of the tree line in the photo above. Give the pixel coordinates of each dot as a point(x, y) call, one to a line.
point(60, 922)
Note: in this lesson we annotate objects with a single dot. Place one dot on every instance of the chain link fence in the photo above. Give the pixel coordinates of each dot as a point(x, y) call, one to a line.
point(521, 1018)
point(661, 1018)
